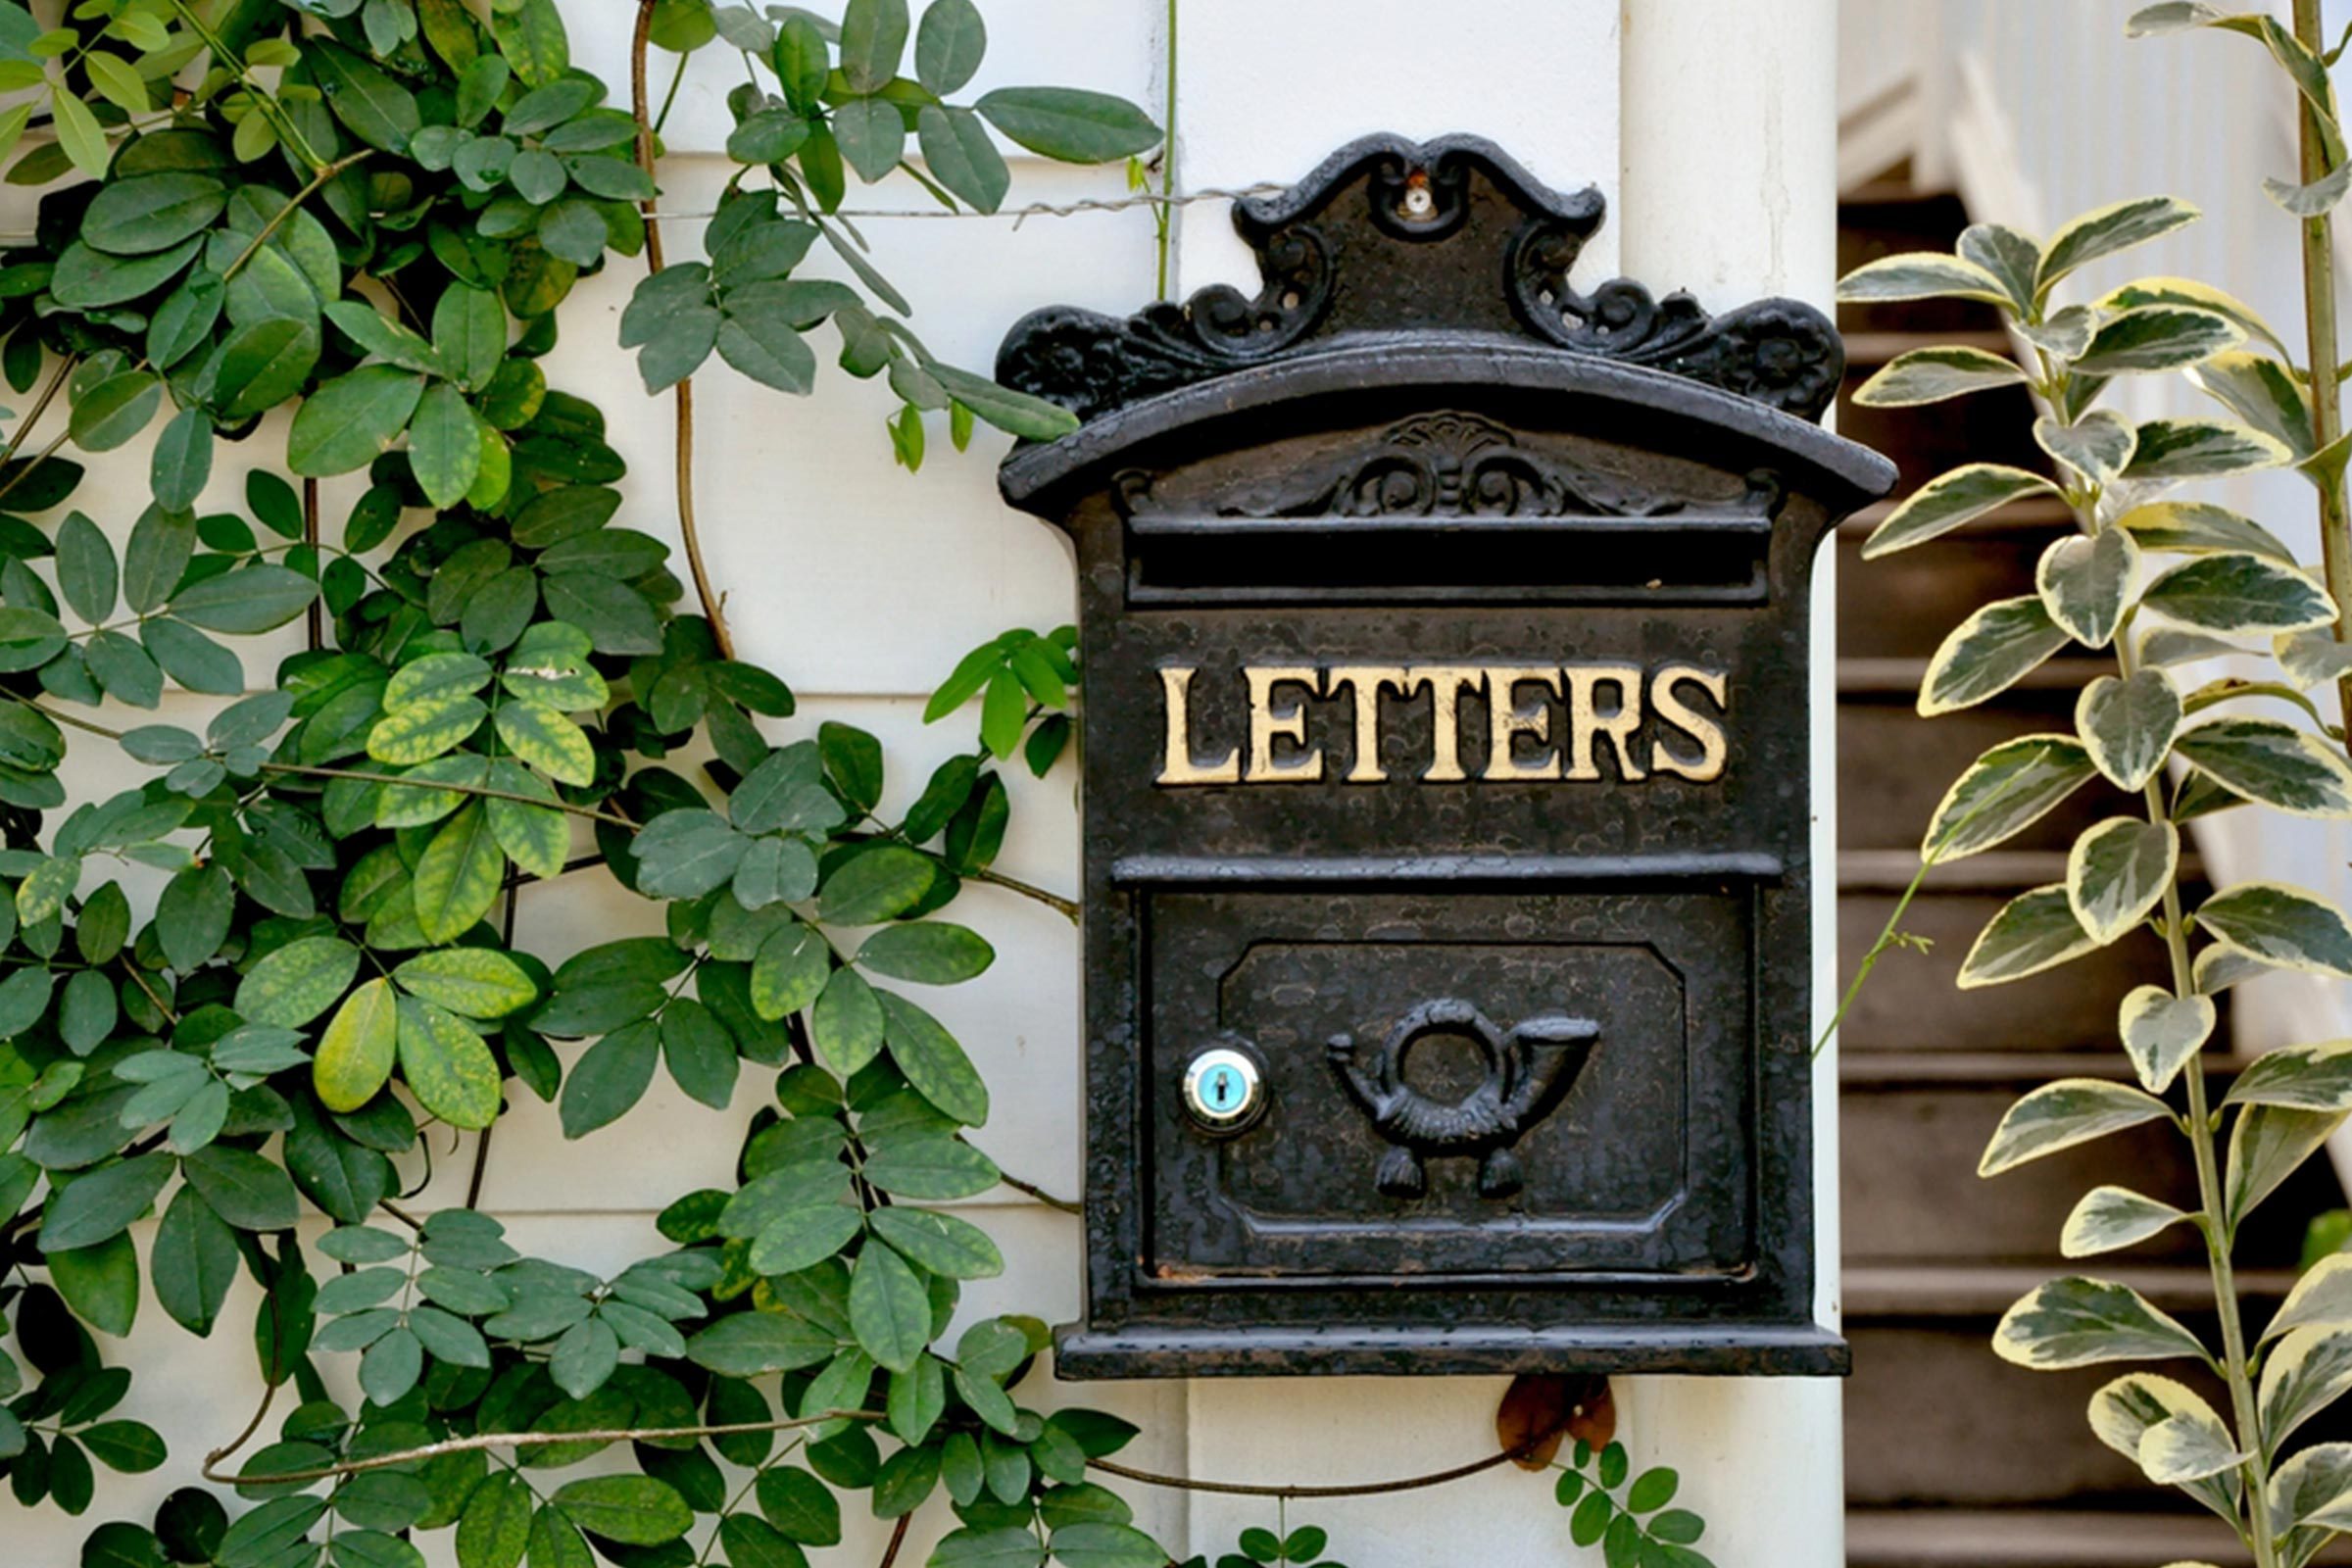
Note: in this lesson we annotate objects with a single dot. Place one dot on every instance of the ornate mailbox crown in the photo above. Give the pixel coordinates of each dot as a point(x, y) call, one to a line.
point(1449, 876)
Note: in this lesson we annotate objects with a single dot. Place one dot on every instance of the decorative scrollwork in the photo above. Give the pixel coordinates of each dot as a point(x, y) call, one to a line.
point(1393, 236)
point(1453, 465)
point(1528, 1072)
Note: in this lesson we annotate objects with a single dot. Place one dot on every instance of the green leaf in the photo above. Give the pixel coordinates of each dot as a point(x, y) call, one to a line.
point(1987, 653)
point(547, 741)
point(873, 136)
point(2311, 1490)
point(1921, 275)
point(2098, 445)
point(28, 638)
point(2110, 1219)
point(495, 1528)
point(2161, 1032)
point(1950, 500)
point(2156, 337)
point(2235, 593)
point(385, 339)
point(804, 1237)
point(2086, 584)
point(1069, 125)
point(116, 411)
point(933, 1063)
point(940, 1243)
point(635, 1510)
point(2105, 230)
point(686, 854)
point(448, 1067)
point(250, 599)
point(2322, 1295)
point(80, 135)
point(2303, 1374)
point(195, 1261)
point(959, 150)
point(2201, 449)
point(470, 333)
point(2033, 932)
point(2263, 393)
point(251, 1193)
point(1100, 1545)
point(296, 983)
point(373, 107)
point(2298, 1077)
point(2081, 1322)
point(182, 463)
point(351, 420)
point(2272, 762)
point(2283, 926)
point(890, 1312)
point(101, 1287)
point(753, 1344)
point(763, 345)
point(2118, 872)
point(472, 982)
point(94, 1207)
point(610, 1078)
point(929, 953)
point(2127, 726)
point(1008, 1546)
point(151, 213)
point(876, 885)
point(790, 972)
point(445, 445)
point(2269, 1145)
point(1017, 413)
point(847, 1024)
point(2059, 1115)
point(85, 568)
point(931, 1170)
point(1930, 375)
point(873, 39)
point(458, 876)
point(949, 45)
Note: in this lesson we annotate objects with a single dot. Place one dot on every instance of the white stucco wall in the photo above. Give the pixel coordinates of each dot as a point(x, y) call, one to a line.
point(863, 585)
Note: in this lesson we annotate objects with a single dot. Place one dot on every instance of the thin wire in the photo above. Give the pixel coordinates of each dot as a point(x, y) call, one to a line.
point(1020, 215)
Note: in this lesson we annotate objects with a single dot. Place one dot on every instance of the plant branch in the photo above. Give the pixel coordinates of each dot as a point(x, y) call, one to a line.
point(2319, 320)
point(1041, 1194)
point(278, 219)
point(713, 602)
point(521, 1439)
point(1069, 907)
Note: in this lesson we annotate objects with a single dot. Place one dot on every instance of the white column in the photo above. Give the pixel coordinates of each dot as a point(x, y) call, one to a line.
point(1729, 190)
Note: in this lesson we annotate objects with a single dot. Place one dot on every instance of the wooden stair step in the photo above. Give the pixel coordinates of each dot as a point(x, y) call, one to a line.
point(1877, 348)
point(1987, 1290)
point(2040, 1537)
point(2006, 870)
point(2018, 1068)
point(1894, 767)
point(1863, 675)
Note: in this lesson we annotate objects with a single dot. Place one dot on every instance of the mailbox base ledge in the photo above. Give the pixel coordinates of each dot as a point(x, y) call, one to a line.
point(1084, 1354)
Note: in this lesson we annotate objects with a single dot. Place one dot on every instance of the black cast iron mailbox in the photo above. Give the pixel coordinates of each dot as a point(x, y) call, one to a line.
point(1447, 763)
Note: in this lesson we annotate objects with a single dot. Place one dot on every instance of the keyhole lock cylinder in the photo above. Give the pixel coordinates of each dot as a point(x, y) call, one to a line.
point(1224, 1090)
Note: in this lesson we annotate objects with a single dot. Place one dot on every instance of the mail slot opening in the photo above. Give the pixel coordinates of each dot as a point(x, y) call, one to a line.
point(1521, 560)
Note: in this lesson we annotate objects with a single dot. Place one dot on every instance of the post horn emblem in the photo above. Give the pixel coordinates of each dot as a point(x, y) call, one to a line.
point(1528, 1072)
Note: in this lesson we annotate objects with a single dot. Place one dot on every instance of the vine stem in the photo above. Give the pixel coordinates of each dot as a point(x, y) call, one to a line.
point(278, 219)
point(1041, 1194)
point(265, 103)
point(521, 1439)
point(713, 603)
point(1067, 908)
point(304, 770)
point(2319, 321)
point(57, 384)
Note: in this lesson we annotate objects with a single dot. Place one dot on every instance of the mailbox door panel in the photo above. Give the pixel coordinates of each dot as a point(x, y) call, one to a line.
point(1539, 1082)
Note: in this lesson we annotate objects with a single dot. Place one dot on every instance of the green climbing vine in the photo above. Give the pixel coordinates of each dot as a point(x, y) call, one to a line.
point(368, 214)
